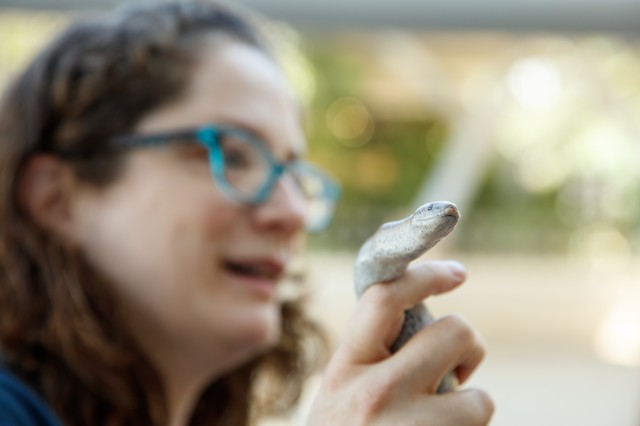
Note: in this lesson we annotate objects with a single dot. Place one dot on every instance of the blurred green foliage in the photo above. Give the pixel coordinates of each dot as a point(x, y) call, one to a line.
point(379, 176)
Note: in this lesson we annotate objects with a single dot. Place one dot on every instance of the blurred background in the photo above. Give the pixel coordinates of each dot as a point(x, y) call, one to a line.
point(527, 116)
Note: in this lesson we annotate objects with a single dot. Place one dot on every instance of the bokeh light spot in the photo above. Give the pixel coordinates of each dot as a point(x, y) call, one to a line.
point(535, 83)
point(350, 121)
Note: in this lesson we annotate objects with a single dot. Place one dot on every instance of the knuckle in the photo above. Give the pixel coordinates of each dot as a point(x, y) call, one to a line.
point(381, 296)
point(435, 269)
point(459, 329)
point(483, 405)
point(429, 271)
point(434, 277)
point(480, 348)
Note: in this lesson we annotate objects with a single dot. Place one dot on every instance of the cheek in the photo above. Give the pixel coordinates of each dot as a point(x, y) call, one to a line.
point(160, 242)
point(154, 238)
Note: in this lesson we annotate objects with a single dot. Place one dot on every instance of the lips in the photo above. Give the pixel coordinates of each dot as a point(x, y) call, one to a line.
point(259, 275)
point(268, 269)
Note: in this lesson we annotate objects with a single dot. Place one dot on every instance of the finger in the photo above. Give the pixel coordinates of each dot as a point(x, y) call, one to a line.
point(470, 407)
point(448, 344)
point(380, 311)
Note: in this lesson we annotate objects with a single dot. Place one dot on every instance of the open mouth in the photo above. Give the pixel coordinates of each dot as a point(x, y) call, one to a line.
point(264, 270)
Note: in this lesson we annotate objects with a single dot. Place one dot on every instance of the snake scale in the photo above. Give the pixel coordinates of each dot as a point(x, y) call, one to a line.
point(384, 257)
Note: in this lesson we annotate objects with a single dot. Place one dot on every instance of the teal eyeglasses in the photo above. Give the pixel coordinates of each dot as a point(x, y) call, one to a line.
point(245, 170)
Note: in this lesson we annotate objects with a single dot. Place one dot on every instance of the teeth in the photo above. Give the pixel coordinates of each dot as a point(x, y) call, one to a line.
point(249, 269)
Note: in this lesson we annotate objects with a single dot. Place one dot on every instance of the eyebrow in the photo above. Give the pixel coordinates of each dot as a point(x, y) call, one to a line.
point(292, 155)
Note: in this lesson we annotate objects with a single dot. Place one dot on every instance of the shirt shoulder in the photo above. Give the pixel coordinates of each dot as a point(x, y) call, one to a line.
point(20, 405)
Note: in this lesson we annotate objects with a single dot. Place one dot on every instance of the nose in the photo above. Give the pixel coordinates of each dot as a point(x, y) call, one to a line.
point(285, 209)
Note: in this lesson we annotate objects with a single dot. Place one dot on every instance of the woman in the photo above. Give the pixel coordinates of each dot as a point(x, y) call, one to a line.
point(153, 195)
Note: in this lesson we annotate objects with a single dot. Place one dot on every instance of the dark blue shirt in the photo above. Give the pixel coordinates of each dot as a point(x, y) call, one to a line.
point(20, 405)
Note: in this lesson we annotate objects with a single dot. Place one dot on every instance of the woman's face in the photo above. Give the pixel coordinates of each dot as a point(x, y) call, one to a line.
point(193, 269)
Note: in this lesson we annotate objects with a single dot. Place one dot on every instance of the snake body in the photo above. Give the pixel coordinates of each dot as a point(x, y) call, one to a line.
point(386, 254)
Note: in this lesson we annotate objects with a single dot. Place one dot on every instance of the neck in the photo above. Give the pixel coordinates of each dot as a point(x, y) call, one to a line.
point(187, 364)
point(186, 378)
point(181, 400)
point(183, 386)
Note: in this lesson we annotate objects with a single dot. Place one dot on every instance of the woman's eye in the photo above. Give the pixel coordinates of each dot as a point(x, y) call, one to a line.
point(238, 153)
point(194, 151)
point(235, 158)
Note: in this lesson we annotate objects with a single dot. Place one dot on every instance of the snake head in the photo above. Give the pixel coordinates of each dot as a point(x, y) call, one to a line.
point(437, 218)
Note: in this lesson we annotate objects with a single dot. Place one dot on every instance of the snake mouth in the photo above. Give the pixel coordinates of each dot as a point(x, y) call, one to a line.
point(451, 211)
point(436, 214)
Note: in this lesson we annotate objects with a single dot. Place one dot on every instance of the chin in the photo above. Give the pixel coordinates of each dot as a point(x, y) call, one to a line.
point(263, 330)
point(246, 336)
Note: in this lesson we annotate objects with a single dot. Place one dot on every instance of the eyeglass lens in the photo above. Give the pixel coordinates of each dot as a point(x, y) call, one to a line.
point(245, 168)
point(250, 172)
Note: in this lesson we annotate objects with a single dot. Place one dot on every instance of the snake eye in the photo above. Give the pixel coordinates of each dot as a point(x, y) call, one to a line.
point(430, 207)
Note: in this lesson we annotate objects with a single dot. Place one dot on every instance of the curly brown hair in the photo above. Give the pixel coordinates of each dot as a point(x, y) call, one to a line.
point(58, 325)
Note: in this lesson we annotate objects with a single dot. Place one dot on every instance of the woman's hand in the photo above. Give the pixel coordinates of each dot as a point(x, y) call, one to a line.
point(364, 384)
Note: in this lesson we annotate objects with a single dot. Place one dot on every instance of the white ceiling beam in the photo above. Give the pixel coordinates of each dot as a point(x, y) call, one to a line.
point(519, 15)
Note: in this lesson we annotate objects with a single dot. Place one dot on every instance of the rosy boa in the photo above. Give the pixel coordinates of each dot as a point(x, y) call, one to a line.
point(386, 254)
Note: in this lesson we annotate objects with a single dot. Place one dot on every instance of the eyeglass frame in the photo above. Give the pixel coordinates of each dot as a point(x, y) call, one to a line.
point(208, 135)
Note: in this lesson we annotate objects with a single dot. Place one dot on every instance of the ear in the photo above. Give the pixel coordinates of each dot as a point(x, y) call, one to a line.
point(45, 188)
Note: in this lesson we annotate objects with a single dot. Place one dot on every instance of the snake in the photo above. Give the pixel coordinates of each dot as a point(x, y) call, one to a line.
point(385, 256)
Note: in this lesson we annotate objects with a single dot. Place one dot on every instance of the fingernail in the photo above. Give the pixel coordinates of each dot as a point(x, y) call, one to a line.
point(458, 270)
